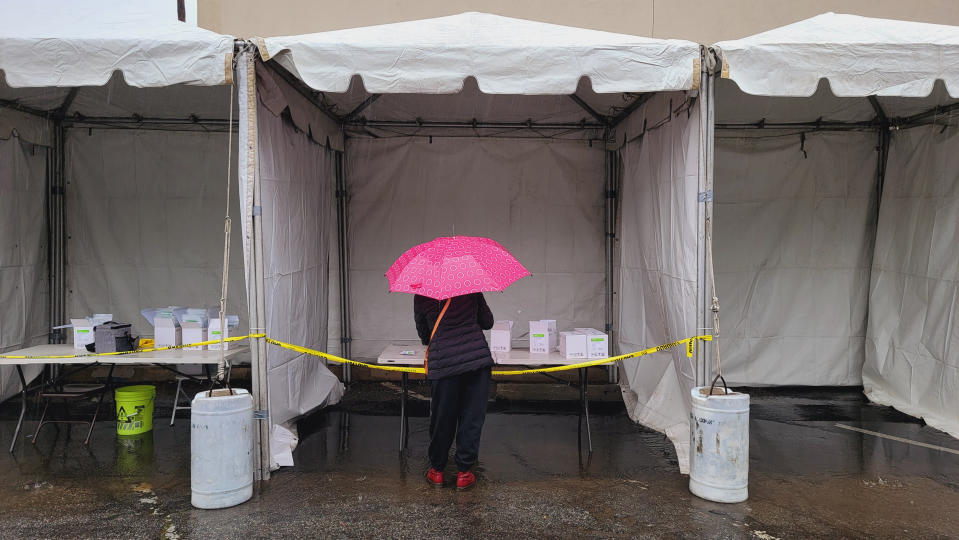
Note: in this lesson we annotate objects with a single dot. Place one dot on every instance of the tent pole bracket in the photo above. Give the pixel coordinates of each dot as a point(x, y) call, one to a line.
point(624, 114)
point(361, 107)
point(304, 90)
point(592, 112)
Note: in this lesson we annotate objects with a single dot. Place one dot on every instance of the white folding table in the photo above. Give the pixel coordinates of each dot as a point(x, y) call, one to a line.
point(412, 355)
point(41, 353)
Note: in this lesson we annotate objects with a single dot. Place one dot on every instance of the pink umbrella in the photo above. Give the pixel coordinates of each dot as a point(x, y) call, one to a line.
point(453, 265)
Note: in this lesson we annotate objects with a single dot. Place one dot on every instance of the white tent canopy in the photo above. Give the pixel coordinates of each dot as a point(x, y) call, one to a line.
point(836, 210)
point(64, 44)
point(423, 118)
point(504, 55)
point(859, 56)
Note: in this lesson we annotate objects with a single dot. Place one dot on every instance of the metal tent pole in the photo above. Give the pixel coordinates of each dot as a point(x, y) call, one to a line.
point(709, 349)
point(246, 89)
point(609, 209)
point(704, 202)
point(342, 226)
point(58, 269)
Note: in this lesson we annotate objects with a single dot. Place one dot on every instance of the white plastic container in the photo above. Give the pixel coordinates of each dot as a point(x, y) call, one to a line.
point(719, 445)
point(221, 448)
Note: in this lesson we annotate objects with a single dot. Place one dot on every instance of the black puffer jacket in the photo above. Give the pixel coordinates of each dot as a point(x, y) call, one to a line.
point(459, 344)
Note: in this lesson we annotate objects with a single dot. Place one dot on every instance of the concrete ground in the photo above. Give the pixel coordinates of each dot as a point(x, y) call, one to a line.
point(809, 478)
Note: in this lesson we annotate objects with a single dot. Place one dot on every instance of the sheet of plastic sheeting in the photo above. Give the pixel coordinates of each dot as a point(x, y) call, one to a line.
point(541, 199)
point(296, 184)
point(145, 216)
point(793, 241)
point(912, 341)
point(658, 267)
point(24, 289)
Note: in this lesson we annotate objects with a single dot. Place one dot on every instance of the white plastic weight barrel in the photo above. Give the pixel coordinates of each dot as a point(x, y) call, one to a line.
point(719, 445)
point(221, 448)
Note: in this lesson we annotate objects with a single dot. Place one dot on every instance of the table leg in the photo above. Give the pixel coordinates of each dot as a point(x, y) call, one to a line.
point(403, 423)
point(23, 407)
point(584, 377)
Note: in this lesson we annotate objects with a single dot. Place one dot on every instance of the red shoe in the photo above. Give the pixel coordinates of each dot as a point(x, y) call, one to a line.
point(465, 480)
point(435, 478)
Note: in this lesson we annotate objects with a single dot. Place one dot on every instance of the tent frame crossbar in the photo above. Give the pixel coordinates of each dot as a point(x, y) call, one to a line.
point(136, 121)
point(628, 110)
point(591, 111)
point(17, 106)
point(817, 126)
point(919, 118)
point(313, 96)
point(474, 124)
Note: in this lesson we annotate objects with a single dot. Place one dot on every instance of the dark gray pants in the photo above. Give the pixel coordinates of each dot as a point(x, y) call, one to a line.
point(458, 409)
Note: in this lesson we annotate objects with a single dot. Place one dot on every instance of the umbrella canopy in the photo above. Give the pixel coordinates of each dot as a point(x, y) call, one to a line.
point(454, 265)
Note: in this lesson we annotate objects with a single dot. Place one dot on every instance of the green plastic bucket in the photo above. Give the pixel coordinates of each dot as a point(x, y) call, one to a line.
point(135, 409)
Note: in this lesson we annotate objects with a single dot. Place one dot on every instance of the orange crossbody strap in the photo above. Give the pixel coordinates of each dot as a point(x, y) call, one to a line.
point(426, 357)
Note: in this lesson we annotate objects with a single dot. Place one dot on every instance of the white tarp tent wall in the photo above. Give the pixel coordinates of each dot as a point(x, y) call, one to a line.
point(126, 209)
point(24, 291)
point(483, 125)
point(837, 210)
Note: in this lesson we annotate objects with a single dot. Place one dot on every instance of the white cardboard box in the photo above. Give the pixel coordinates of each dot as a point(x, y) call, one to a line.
point(501, 336)
point(82, 333)
point(214, 333)
point(542, 336)
point(598, 342)
point(166, 333)
point(573, 345)
point(193, 332)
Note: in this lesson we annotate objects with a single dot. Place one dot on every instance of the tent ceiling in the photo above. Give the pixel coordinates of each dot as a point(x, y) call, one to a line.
point(117, 99)
point(733, 106)
point(504, 55)
point(472, 104)
point(859, 56)
point(65, 43)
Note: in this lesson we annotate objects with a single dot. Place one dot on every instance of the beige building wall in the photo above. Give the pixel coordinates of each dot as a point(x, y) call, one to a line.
point(696, 20)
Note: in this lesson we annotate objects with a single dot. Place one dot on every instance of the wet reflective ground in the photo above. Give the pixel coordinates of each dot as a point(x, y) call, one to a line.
point(808, 477)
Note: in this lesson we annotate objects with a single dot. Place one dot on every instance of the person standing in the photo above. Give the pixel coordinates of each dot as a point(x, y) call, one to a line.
point(459, 367)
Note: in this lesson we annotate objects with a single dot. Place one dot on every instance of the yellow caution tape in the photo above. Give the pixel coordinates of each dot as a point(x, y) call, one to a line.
point(689, 342)
point(154, 349)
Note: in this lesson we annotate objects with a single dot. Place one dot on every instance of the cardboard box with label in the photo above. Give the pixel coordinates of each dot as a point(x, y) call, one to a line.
point(194, 331)
point(215, 333)
point(166, 332)
point(82, 333)
point(573, 345)
point(542, 336)
point(501, 336)
point(598, 342)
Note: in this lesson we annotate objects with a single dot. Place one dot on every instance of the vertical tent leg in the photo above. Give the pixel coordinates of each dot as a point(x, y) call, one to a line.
point(404, 425)
point(704, 207)
point(584, 397)
point(343, 249)
point(249, 186)
point(23, 407)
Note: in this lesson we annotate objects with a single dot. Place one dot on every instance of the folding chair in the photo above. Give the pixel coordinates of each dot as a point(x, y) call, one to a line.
point(71, 393)
point(180, 392)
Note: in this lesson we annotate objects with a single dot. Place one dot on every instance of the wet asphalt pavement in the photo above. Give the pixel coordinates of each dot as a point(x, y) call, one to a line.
point(808, 477)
